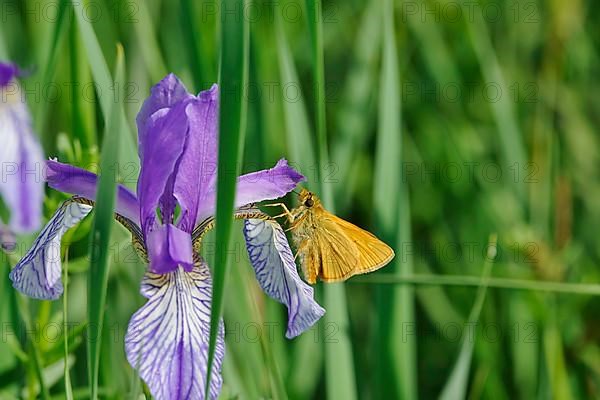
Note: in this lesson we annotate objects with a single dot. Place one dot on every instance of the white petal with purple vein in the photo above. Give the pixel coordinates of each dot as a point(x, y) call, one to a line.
point(167, 339)
point(277, 275)
point(38, 273)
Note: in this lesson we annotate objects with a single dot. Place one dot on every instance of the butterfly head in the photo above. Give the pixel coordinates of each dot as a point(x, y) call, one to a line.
point(308, 199)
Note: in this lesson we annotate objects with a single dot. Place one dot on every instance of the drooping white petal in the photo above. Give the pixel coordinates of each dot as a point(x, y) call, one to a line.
point(167, 339)
point(277, 275)
point(38, 273)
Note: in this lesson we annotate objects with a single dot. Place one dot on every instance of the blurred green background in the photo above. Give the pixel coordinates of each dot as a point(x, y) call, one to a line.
point(449, 125)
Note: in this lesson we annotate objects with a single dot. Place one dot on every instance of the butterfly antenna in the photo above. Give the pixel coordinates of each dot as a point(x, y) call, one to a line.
point(296, 192)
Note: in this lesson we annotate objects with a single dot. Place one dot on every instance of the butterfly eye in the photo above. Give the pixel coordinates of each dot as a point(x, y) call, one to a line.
point(309, 203)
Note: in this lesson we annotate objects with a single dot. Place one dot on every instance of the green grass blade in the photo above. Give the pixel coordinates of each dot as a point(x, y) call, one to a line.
point(191, 38)
point(395, 371)
point(314, 10)
point(146, 37)
point(556, 364)
point(232, 126)
point(586, 289)
point(299, 141)
point(339, 361)
point(83, 113)
point(102, 77)
point(456, 386)
point(49, 68)
point(389, 141)
point(357, 103)
point(34, 355)
point(101, 232)
point(278, 390)
point(513, 151)
point(3, 48)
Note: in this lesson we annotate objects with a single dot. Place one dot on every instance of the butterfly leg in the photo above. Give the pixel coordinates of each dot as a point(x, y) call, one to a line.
point(286, 211)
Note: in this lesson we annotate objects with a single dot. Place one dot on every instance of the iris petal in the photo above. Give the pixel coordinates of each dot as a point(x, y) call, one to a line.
point(22, 185)
point(164, 95)
point(167, 339)
point(8, 72)
point(168, 248)
point(277, 275)
point(73, 180)
point(198, 163)
point(162, 150)
point(257, 186)
point(38, 273)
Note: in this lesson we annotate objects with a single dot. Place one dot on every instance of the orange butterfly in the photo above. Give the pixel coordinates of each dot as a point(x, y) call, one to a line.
point(329, 247)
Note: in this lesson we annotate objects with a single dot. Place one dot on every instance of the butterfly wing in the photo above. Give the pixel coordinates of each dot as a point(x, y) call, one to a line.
point(339, 256)
point(324, 250)
point(372, 252)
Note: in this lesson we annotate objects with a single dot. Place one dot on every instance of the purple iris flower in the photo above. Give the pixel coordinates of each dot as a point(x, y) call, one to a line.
point(167, 339)
point(22, 159)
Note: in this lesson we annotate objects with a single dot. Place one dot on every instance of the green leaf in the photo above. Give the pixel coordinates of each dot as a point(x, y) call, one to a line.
point(300, 143)
point(456, 386)
point(395, 373)
point(101, 231)
point(356, 103)
point(232, 125)
point(513, 153)
point(49, 68)
point(314, 10)
point(586, 289)
point(83, 112)
point(3, 48)
point(146, 37)
point(34, 355)
point(190, 39)
point(108, 91)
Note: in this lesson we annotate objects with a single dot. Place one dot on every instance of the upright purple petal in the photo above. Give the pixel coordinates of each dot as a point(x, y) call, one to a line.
point(198, 163)
point(73, 180)
point(276, 272)
point(163, 148)
point(22, 184)
point(167, 339)
point(38, 273)
point(178, 145)
point(257, 186)
point(164, 95)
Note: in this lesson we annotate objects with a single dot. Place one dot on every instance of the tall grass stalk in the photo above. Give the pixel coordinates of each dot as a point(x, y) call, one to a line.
point(232, 128)
point(101, 232)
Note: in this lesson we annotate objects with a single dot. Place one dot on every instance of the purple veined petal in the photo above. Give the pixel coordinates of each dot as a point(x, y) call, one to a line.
point(164, 95)
point(273, 263)
point(255, 187)
point(163, 147)
point(168, 248)
point(198, 163)
point(73, 180)
point(167, 339)
point(22, 183)
point(37, 275)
